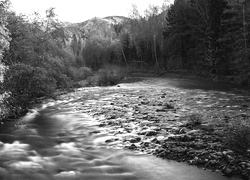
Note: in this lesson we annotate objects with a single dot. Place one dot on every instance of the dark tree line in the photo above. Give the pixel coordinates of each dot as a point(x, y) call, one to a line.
point(209, 36)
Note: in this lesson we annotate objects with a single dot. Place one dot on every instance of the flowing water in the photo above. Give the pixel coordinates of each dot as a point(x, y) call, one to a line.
point(59, 140)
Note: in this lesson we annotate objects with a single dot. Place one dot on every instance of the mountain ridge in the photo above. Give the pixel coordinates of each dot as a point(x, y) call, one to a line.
point(111, 19)
point(77, 31)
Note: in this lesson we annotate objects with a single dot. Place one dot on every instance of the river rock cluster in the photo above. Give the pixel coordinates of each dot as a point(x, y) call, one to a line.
point(183, 125)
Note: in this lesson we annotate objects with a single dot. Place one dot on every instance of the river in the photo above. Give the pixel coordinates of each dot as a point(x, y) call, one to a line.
point(59, 139)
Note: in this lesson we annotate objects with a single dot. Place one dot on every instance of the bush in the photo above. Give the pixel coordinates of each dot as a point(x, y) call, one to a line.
point(57, 69)
point(109, 75)
point(23, 79)
point(3, 107)
point(238, 135)
point(62, 80)
point(23, 84)
point(80, 73)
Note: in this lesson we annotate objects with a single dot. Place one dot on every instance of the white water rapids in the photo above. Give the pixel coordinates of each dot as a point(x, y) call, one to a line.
point(57, 142)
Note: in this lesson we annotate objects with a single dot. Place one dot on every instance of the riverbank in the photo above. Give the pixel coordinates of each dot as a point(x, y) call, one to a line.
point(242, 81)
point(239, 80)
point(182, 124)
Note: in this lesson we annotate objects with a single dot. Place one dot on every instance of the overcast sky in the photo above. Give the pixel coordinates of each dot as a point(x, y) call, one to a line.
point(81, 10)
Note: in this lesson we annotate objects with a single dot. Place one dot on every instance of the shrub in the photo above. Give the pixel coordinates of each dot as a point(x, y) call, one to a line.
point(109, 75)
point(23, 84)
point(3, 107)
point(57, 69)
point(238, 135)
point(23, 79)
point(62, 80)
point(80, 73)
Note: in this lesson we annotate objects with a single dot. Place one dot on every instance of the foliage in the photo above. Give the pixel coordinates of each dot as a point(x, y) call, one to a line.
point(109, 75)
point(24, 83)
point(4, 38)
point(4, 34)
point(193, 29)
point(238, 135)
point(235, 52)
point(80, 73)
point(206, 35)
point(26, 80)
point(100, 40)
point(137, 38)
point(37, 61)
point(145, 35)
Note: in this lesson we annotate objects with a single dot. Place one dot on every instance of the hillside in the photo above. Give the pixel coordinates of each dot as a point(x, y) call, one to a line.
point(78, 30)
point(115, 19)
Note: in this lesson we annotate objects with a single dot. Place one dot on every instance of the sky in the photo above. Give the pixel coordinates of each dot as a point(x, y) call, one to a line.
point(80, 10)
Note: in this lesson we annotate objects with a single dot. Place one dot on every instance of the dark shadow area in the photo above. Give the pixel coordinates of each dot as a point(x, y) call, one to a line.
point(203, 84)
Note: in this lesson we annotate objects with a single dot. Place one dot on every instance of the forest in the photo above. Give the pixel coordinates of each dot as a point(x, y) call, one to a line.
point(38, 56)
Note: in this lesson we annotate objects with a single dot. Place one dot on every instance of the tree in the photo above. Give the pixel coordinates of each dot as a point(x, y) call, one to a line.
point(74, 45)
point(155, 26)
point(235, 39)
point(196, 27)
point(37, 61)
point(4, 33)
point(179, 33)
point(145, 35)
point(122, 40)
point(100, 43)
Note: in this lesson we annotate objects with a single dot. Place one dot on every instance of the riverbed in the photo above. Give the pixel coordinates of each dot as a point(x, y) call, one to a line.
point(114, 132)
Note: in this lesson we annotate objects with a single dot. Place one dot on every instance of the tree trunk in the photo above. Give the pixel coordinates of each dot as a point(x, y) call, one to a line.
point(244, 27)
point(123, 54)
point(155, 52)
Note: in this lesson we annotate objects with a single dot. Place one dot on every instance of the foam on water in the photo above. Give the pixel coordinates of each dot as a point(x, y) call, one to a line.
point(62, 145)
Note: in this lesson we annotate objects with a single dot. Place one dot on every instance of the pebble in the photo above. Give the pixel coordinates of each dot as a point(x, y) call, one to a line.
point(135, 140)
point(198, 144)
point(133, 146)
point(228, 171)
point(151, 133)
